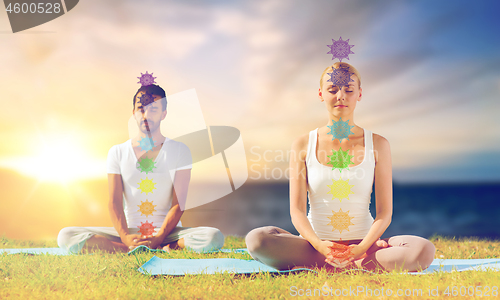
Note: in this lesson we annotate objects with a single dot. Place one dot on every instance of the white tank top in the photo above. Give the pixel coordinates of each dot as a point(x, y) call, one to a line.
point(339, 199)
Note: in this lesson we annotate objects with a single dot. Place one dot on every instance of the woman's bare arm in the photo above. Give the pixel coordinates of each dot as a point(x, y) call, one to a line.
point(383, 192)
point(298, 195)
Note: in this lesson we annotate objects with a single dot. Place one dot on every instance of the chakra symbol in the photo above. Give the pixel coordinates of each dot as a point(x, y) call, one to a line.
point(340, 220)
point(146, 186)
point(340, 159)
point(340, 76)
point(340, 189)
point(146, 228)
point(340, 49)
point(146, 99)
point(146, 79)
point(340, 130)
point(146, 208)
point(340, 251)
point(146, 144)
point(146, 165)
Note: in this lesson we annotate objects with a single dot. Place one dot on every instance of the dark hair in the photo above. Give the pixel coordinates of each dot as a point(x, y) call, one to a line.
point(154, 90)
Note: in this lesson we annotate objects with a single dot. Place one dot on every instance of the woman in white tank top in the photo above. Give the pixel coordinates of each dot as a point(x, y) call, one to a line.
point(335, 167)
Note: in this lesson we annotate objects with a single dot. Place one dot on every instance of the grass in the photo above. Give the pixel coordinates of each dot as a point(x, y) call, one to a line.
point(115, 276)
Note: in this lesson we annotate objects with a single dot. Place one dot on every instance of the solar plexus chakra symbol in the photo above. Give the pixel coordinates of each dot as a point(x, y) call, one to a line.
point(146, 208)
point(340, 189)
point(146, 165)
point(340, 159)
point(340, 77)
point(340, 130)
point(146, 79)
point(340, 220)
point(146, 186)
point(147, 143)
point(146, 228)
point(340, 49)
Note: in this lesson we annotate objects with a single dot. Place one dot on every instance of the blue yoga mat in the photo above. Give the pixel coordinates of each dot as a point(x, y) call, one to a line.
point(146, 249)
point(160, 266)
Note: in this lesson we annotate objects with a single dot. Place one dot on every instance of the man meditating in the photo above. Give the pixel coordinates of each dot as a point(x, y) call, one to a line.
point(148, 179)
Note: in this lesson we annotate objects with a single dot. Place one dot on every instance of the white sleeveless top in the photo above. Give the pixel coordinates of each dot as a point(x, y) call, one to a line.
point(339, 199)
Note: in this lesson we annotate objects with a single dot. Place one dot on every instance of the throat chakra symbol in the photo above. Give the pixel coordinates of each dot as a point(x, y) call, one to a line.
point(146, 99)
point(146, 165)
point(340, 189)
point(340, 220)
point(146, 79)
point(340, 49)
point(340, 76)
point(340, 159)
point(146, 208)
point(146, 144)
point(146, 186)
point(340, 130)
point(146, 228)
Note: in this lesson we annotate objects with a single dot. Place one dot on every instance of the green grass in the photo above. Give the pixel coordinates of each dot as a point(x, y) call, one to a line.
point(115, 276)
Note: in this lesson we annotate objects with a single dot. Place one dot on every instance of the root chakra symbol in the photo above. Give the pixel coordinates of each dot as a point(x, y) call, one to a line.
point(340, 220)
point(147, 186)
point(146, 228)
point(340, 159)
point(340, 49)
point(146, 165)
point(147, 208)
point(340, 130)
point(340, 189)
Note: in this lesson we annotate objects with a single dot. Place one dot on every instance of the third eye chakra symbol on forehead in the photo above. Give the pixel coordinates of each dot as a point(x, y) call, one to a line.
point(146, 79)
point(340, 77)
point(340, 49)
point(340, 130)
point(146, 99)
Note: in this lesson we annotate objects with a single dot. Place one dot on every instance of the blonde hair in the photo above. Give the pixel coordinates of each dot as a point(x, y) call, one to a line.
point(338, 65)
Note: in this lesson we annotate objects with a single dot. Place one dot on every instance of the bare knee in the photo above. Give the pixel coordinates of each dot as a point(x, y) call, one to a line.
point(426, 255)
point(257, 239)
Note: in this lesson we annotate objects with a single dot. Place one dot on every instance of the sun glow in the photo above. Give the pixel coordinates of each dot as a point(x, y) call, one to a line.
point(60, 158)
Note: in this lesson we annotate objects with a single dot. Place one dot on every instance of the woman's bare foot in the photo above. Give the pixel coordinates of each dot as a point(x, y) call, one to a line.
point(380, 244)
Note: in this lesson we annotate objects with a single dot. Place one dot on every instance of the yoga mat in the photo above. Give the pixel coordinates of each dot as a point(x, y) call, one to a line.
point(51, 251)
point(160, 266)
point(143, 248)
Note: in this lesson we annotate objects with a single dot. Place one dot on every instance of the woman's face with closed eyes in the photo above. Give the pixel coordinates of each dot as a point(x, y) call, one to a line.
point(340, 102)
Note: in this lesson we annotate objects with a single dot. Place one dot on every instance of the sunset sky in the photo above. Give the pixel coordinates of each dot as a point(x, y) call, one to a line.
point(430, 78)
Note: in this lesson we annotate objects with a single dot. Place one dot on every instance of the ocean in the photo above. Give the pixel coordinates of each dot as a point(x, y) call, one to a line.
point(453, 210)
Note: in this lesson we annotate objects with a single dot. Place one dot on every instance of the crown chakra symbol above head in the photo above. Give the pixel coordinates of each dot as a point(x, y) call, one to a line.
point(146, 79)
point(340, 49)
